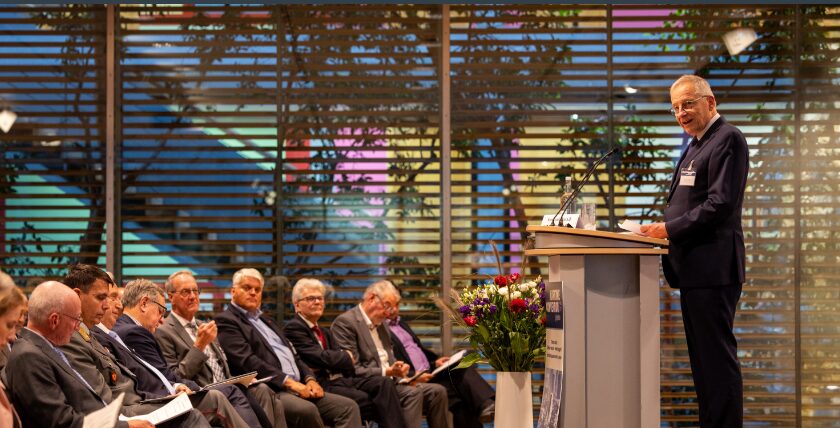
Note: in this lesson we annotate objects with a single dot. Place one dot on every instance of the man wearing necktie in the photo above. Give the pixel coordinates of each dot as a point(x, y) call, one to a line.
point(471, 398)
point(706, 255)
point(46, 389)
point(95, 363)
point(361, 330)
point(333, 367)
point(190, 346)
point(254, 342)
point(143, 312)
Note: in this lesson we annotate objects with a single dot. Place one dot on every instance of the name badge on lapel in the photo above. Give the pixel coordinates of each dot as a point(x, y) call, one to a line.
point(687, 175)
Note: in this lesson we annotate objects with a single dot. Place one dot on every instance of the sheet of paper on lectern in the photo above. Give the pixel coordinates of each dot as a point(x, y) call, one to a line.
point(631, 226)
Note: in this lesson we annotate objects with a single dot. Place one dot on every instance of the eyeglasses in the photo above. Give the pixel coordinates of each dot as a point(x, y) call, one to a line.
point(387, 305)
point(312, 299)
point(685, 105)
point(163, 310)
point(76, 320)
point(186, 292)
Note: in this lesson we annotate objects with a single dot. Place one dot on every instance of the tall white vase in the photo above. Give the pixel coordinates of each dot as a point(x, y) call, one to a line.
point(514, 402)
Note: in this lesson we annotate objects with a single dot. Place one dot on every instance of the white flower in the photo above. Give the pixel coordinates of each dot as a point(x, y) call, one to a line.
point(524, 287)
point(503, 291)
point(515, 295)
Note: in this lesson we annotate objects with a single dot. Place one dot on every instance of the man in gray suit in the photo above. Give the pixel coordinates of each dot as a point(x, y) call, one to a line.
point(191, 349)
point(46, 389)
point(95, 363)
point(362, 332)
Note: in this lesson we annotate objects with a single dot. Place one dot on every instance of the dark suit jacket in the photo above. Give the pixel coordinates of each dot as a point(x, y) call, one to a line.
point(146, 381)
point(44, 389)
point(247, 350)
point(142, 342)
point(323, 362)
point(183, 358)
point(352, 333)
point(704, 221)
point(401, 354)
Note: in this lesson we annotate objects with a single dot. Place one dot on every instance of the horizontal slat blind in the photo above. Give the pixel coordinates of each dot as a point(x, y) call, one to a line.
point(360, 108)
point(818, 203)
point(52, 209)
point(303, 140)
point(199, 141)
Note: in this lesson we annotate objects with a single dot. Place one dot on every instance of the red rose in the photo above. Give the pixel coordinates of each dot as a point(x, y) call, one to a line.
point(471, 320)
point(500, 280)
point(518, 306)
point(514, 277)
point(542, 321)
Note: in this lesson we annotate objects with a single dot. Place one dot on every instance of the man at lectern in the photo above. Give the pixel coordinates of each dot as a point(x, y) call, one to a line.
point(706, 254)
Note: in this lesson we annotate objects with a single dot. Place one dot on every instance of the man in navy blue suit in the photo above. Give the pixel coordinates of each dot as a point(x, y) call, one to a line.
point(706, 255)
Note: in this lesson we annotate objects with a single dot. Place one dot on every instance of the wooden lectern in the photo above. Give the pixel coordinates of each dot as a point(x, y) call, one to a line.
point(610, 292)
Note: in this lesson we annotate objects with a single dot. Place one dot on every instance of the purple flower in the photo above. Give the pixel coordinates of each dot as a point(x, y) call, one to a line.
point(464, 310)
point(493, 309)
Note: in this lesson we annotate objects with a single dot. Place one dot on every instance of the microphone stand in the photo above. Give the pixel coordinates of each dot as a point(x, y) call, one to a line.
point(585, 180)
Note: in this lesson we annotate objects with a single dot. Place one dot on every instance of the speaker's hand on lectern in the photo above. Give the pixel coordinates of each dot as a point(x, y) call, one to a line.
point(655, 230)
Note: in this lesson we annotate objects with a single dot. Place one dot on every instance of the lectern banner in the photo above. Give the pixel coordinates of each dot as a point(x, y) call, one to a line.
point(553, 383)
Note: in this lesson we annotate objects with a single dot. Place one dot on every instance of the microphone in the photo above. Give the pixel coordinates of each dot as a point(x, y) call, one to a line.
point(585, 180)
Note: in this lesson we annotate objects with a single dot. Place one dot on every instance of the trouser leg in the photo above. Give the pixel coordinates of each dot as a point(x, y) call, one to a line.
point(708, 317)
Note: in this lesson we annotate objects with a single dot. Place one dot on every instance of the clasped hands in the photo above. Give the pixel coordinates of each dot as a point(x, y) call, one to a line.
point(310, 389)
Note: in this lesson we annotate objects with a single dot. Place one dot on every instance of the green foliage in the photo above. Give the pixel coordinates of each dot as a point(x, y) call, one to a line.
point(506, 322)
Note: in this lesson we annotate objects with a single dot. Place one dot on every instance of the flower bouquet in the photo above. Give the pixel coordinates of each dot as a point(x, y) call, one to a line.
point(506, 321)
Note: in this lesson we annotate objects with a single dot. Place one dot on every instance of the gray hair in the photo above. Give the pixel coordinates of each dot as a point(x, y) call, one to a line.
point(304, 284)
point(701, 85)
point(170, 282)
point(243, 273)
point(137, 289)
point(48, 298)
point(381, 288)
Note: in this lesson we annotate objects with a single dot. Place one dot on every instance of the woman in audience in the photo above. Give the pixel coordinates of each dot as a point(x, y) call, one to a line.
point(12, 303)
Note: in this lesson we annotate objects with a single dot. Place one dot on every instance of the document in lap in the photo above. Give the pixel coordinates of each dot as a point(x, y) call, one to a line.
point(453, 360)
point(105, 417)
point(165, 398)
point(407, 380)
point(178, 406)
point(244, 379)
point(262, 380)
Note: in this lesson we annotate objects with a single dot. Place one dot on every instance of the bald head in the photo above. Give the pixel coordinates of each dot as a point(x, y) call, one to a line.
point(54, 312)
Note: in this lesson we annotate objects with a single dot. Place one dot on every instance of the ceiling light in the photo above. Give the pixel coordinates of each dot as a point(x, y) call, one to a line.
point(739, 39)
point(7, 119)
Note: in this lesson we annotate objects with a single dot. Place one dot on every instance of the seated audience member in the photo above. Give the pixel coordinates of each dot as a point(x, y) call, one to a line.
point(471, 398)
point(94, 363)
point(253, 341)
point(7, 283)
point(191, 349)
point(12, 304)
point(47, 390)
point(317, 349)
point(115, 294)
point(215, 404)
point(361, 331)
